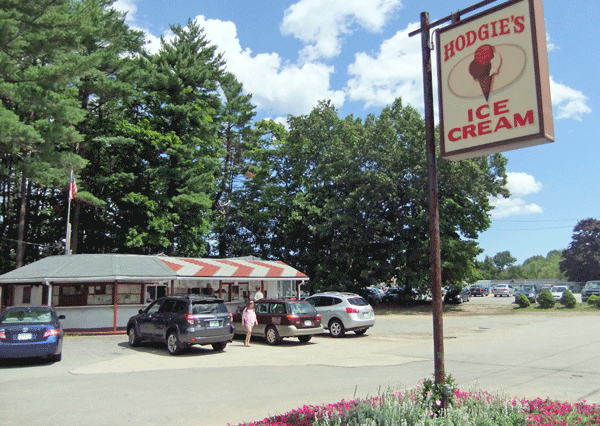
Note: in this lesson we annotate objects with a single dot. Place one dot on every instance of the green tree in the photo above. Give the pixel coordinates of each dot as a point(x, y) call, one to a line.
point(175, 121)
point(39, 64)
point(346, 201)
point(581, 260)
point(504, 260)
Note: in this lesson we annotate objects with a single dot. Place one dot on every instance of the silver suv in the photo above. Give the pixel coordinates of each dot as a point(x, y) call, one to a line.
point(342, 312)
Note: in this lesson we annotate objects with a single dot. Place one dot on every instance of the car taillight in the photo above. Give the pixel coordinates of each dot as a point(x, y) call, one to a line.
point(190, 318)
point(293, 318)
point(319, 318)
point(52, 332)
point(230, 317)
point(352, 310)
point(2, 335)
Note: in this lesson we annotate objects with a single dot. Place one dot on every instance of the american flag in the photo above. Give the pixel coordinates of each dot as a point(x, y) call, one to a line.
point(72, 187)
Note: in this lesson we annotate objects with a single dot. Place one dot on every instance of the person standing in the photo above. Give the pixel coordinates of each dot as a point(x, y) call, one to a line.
point(258, 295)
point(249, 321)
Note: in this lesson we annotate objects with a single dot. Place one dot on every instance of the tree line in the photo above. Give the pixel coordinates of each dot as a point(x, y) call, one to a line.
point(169, 158)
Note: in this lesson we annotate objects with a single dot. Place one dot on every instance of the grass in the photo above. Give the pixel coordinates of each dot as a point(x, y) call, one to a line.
point(418, 408)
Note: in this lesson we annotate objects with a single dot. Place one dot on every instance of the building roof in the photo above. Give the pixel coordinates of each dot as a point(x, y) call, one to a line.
point(129, 267)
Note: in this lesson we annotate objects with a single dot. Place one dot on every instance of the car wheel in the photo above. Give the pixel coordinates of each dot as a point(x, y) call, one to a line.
point(219, 346)
point(304, 339)
point(360, 332)
point(173, 345)
point(272, 335)
point(336, 328)
point(134, 340)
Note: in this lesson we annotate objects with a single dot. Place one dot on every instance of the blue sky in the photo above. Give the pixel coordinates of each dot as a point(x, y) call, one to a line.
point(291, 54)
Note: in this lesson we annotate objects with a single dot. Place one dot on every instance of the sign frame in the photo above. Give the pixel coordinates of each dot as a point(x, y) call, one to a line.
point(540, 113)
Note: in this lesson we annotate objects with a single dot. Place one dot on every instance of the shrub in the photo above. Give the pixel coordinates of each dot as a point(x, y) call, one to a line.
point(523, 301)
point(568, 300)
point(545, 299)
point(593, 300)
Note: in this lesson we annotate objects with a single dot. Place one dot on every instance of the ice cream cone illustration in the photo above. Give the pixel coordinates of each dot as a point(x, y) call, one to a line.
point(484, 67)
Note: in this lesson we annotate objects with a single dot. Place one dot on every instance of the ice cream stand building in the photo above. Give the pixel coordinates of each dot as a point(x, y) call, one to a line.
point(101, 291)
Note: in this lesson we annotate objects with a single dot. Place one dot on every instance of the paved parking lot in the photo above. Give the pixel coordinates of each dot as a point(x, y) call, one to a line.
point(102, 381)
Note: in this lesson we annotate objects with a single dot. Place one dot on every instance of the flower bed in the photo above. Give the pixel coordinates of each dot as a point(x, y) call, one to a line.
point(418, 408)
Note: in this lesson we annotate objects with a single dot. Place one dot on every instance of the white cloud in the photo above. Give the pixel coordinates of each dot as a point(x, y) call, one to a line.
point(395, 71)
point(276, 87)
point(323, 24)
point(549, 45)
point(519, 185)
point(568, 102)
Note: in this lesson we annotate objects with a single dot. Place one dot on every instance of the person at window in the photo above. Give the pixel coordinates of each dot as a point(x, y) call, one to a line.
point(209, 290)
point(258, 295)
point(248, 321)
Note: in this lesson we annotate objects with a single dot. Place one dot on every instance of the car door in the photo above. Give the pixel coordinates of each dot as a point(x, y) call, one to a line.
point(145, 320)
point(162, 319)
point(325, 308)
point(262, 317)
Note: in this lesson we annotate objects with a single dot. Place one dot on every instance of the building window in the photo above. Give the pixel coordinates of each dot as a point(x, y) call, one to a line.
point(27, 295)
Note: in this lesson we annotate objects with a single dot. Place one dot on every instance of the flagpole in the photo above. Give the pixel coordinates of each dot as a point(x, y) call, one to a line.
point(68, 236)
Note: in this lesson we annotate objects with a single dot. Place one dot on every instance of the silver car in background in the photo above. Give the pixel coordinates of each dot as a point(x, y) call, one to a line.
point(343, 312)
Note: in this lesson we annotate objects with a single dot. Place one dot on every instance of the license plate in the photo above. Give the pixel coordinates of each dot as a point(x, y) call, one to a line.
point(307, 323)
point(366, 314)
point(213, 323)
point(24, 336)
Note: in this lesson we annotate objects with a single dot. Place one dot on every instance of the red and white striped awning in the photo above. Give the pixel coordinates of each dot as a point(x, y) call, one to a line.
point(228, 268)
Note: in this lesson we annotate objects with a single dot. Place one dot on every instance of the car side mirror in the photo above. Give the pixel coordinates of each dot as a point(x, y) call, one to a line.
point(141, 311)
point(61, 317)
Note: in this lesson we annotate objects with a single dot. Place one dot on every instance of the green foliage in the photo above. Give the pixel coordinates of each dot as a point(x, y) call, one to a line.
point(545, 299)
point(582, 258)
point(568, 300)
point(433, 394)
point(593, 300)
point(523, 301)
point(536, 267)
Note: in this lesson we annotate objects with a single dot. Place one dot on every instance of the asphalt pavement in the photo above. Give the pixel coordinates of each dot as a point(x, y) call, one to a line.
point(102, 381)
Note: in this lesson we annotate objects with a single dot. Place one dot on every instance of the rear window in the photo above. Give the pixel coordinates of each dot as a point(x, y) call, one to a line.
point(208, 307)
point(25, 315)
point(357, 301)
point(302, 308)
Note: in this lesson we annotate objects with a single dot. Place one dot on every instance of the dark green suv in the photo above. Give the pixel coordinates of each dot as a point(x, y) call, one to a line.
point(182, 321)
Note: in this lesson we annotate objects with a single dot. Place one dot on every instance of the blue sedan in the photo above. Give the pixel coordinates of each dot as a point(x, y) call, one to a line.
point(31, 331)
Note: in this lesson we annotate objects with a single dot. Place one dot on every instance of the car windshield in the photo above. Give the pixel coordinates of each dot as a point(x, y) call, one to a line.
point(26, 315)
point(302, 308)
point(208, 307)
point(593, 284)
point(528, 288)
point(558, 289)
point(501, 286)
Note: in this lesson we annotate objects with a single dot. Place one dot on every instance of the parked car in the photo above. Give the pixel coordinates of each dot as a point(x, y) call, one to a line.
point(454, 295)
point(31, 331)
point(503, 290)
point(281, 318)
point(477, 290)
point(343, 312)
point(372, 295)
point(590, 288)
point(539, 288)
point(401, 295)
point(558, 290)
point(182, 321)
point(529, 290)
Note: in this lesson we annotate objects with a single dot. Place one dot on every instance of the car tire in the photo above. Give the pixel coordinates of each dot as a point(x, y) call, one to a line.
point(304, 339)
point(173, 345)
point(134, 340)
point(336, 328)
point(272, 335)
point(219, 346)
point(360, 332)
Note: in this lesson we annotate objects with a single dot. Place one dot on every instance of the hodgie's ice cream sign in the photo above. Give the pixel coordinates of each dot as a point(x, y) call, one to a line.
point(493, 81)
